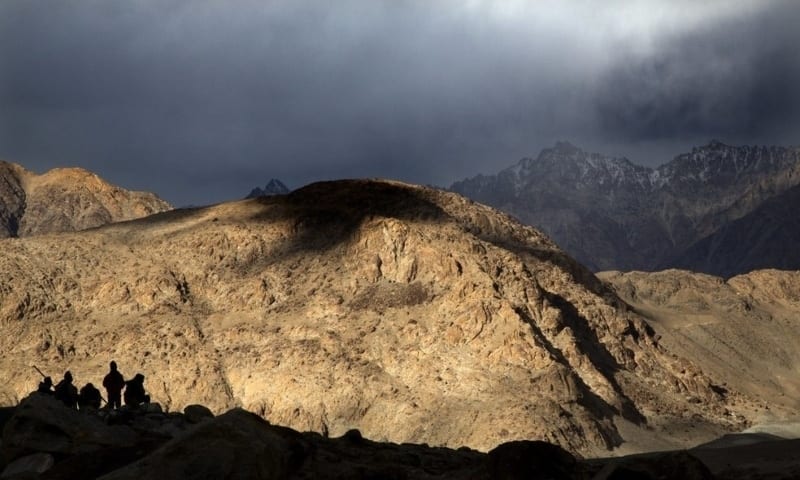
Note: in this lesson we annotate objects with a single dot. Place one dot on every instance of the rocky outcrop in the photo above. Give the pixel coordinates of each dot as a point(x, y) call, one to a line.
point(613, 215)
point(65, 199)
point(411, 314)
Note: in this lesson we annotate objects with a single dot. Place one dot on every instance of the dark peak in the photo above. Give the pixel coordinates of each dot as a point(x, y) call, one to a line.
point(273, 187)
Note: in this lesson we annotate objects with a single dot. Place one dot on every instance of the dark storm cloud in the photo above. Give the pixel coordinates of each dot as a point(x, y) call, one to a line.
point(200, 101)
point(737, 79)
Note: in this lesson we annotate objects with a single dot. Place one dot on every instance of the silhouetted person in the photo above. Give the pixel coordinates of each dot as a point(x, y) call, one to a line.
point(114, 382)
point(66, 391)
point(89, 397)
point(134, 391)
point(46, 386)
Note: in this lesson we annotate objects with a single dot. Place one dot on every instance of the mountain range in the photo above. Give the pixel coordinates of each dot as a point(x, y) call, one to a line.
point(612, 214)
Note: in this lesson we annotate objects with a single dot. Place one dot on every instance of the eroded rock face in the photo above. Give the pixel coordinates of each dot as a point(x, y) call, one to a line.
point(65, 199)
point(12, 199)
point(409, 313)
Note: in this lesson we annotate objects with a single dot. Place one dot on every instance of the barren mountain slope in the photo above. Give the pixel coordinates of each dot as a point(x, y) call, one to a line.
point(744, 331)
point(65, 199)
point(409, 313)
point(763, 238)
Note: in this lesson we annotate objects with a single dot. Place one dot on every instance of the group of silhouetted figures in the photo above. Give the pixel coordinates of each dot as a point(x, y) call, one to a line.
point(89, 396)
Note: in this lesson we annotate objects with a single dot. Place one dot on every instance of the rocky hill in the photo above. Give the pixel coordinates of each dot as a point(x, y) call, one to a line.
point(65, 199)
point(409, 313)
point(613, 215)
point(743, 330)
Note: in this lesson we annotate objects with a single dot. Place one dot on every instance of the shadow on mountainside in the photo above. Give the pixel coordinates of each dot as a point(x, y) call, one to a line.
point(587, 398)
point(601, 358)
point(555, 256)
point(323, 215)
point(320, 216)
point(169, 217)
point(326, 214)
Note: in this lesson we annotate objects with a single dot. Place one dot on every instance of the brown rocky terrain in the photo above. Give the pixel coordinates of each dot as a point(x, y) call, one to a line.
point(65, 199)
point(409, 313)
point(743, 331)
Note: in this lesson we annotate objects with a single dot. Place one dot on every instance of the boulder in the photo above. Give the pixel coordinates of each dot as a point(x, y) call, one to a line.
point(678, 464)
point(524, 459)
point(197, 413)
point(43, 424)
point(235, 445)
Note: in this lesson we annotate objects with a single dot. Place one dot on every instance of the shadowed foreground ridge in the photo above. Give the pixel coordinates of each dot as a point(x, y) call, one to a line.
point(409, 313)
point(44, 440)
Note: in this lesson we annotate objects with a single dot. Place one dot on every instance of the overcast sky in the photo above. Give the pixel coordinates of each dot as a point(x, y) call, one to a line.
point(200, 101)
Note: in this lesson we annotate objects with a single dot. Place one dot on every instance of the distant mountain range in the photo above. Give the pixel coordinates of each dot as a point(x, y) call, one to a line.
point(273, 187)
point(719, 209)
point(65, 199)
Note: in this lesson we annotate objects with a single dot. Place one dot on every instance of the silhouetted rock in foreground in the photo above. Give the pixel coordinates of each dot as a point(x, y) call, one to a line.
point(666, 465)
point(44, 439)
point(43, 424)
point(530, 459)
